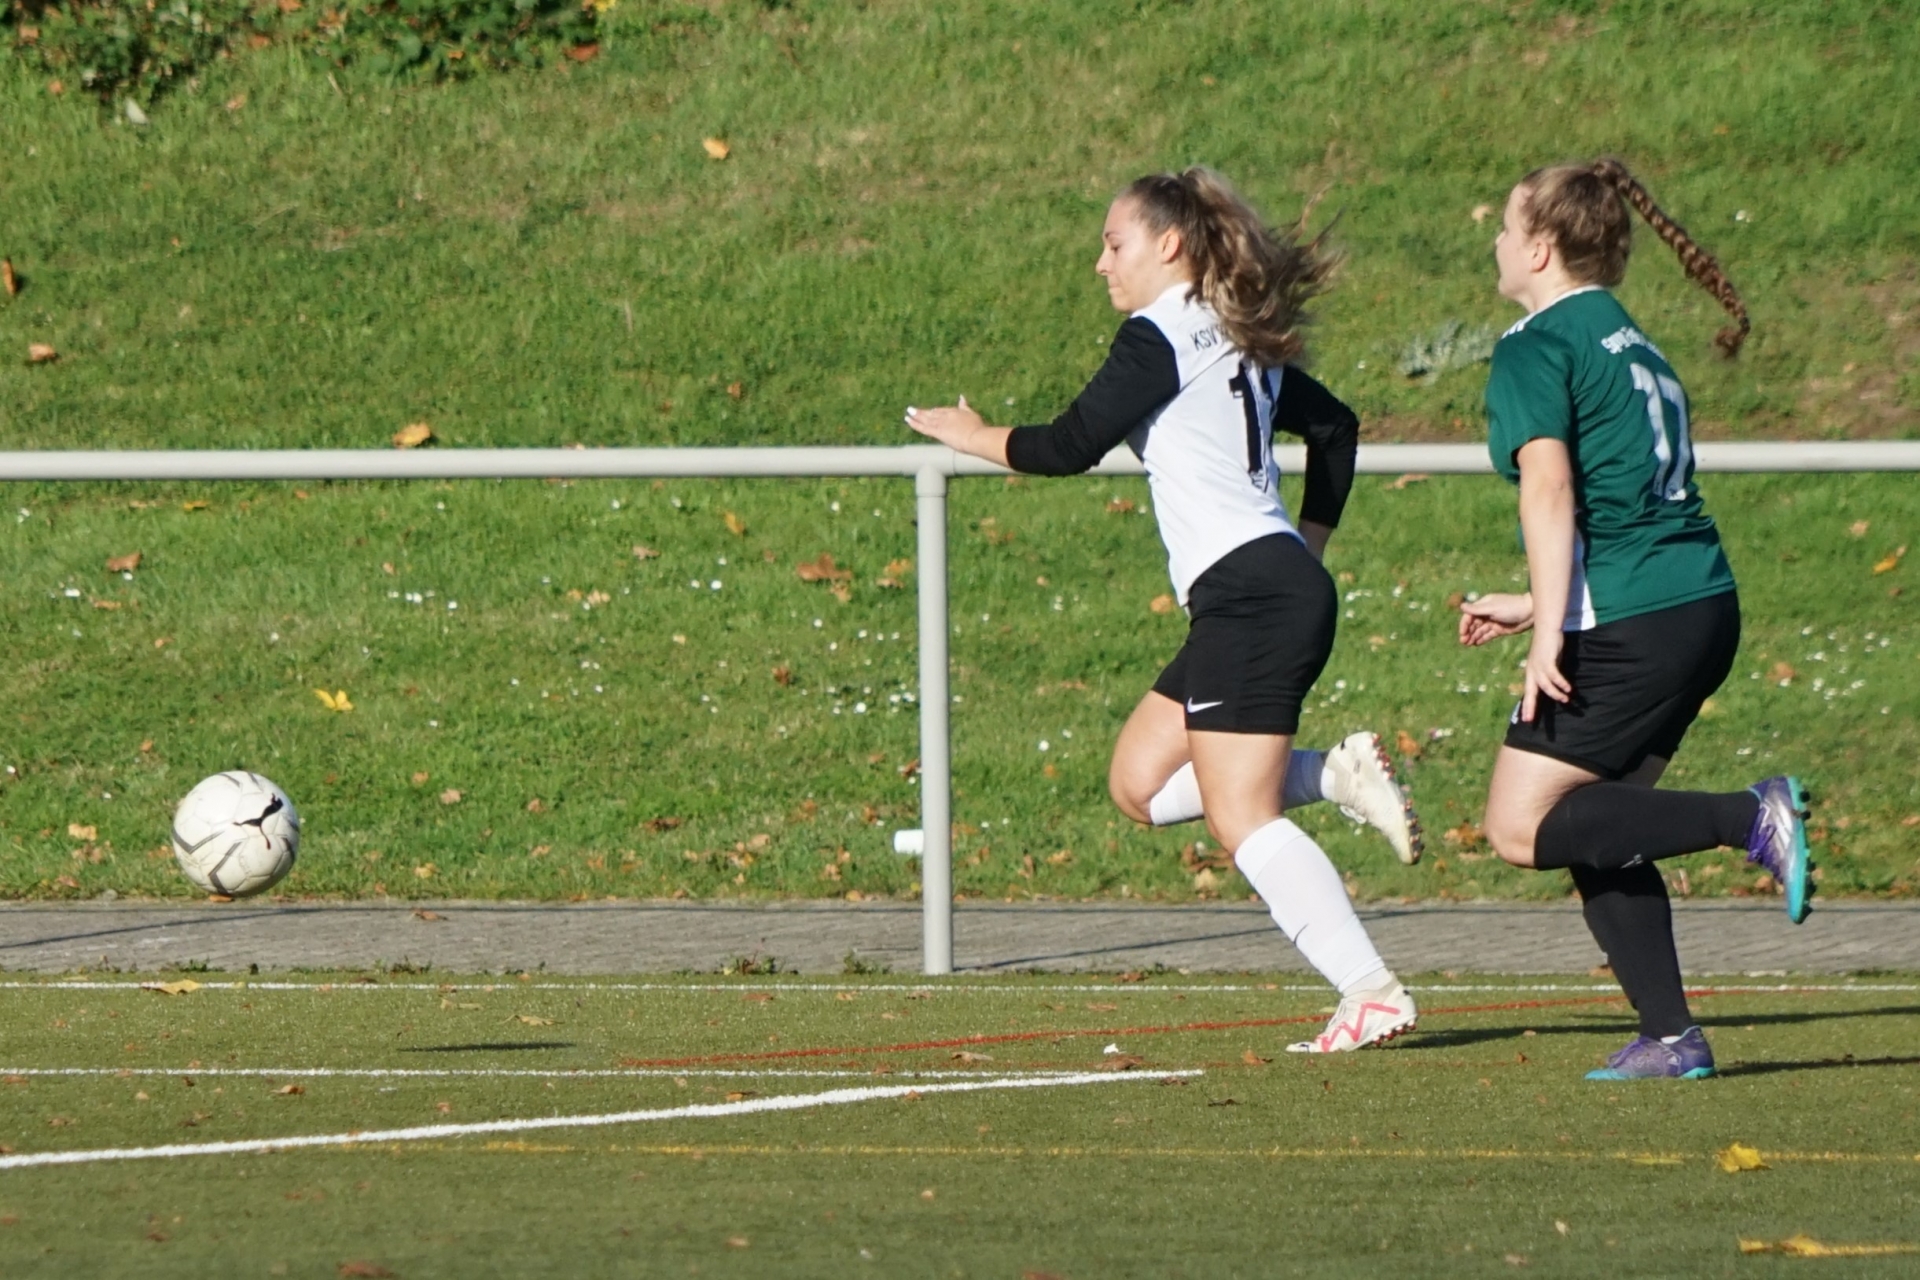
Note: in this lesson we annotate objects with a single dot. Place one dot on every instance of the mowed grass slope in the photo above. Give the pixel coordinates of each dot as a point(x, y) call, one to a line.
point(1472, 1145)
point(908, 211)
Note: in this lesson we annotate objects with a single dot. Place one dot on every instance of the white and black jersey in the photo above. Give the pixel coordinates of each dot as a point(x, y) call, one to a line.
point(1201, 417)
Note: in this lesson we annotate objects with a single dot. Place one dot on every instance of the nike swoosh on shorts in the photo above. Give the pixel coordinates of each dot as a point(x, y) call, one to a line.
point(1194, 708)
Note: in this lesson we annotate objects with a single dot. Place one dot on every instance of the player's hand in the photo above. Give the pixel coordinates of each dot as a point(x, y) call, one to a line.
point(1543, 673)
point(953, 427)
point(1493, 616)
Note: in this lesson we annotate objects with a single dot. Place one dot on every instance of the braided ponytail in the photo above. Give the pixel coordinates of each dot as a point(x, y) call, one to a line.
point(1584, 210)
point(1257, 279)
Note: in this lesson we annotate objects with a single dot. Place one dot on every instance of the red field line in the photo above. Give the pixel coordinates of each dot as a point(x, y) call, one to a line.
point(1008, 1037)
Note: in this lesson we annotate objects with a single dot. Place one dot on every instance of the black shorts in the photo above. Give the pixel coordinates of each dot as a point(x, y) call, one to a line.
point(1637, 685)
point(1262, 629)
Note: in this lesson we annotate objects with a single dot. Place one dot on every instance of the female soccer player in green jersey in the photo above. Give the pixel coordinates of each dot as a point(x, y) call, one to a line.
point(1637, 616)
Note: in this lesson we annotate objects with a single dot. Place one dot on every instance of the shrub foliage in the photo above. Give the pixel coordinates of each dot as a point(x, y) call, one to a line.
point(138, 49)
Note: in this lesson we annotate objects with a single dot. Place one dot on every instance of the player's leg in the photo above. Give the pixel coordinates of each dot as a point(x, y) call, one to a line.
point(1151, 778)
point(1240, 776)
point(1638, 684)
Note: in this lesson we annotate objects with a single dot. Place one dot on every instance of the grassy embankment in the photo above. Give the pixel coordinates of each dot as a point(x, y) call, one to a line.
point(908, 211)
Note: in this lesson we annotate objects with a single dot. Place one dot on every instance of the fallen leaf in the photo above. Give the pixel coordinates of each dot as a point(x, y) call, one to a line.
point(535, 805)
point(657, 825)
point(738, 1242)
point(822, 570)
point(783, 676)
point(195, 504)
point(421, 913)
point(421, 777)
point(968, 1057)
point(842, 592)
point(1516, 1259)
point(1408, 745)
point(1481, 212)
point(1102, 1008)
point(290, 1090)
point(583, 52)
point(740, 1095)
point(8, 279)
point(41, 353)
point(644, 553)
point(531, 1020)
point(334, 701)
point(1120, 506)
point(1223, 1102)
point(425, 871)
point(716, 148)
point(737, 390)
point(1739, 1158)
point(1161, 604)
point(366, 1270)
point(1892, 562)
point(236, 102)
point(450, 796)
point(412, 436)
point(1060, 859)
point(735, 525)
point(758, 997)
point(82, 832)
point(1411, 477)
point(1781, 672)
point(1204, 881)
point(180, 988)
point(1253, 1059)
point(1859, 528)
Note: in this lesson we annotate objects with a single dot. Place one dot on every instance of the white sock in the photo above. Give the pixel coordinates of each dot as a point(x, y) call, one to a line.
point(1179, 800)
point(1303, 891)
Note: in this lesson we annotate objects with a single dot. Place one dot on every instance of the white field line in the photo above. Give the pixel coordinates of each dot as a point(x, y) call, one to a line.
point(559, 1073)
point(1137, 989)
point(710, 1110)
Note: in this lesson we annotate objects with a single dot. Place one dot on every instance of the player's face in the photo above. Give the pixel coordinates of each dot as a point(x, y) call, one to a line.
point(1516, 249)
point(1138, 264)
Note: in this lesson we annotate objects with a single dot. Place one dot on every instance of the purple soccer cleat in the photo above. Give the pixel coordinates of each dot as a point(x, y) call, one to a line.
point(1687, 1058)
point(1778, 841)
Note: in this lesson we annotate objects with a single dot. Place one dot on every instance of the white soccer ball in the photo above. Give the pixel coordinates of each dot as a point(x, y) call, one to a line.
point(236, 834)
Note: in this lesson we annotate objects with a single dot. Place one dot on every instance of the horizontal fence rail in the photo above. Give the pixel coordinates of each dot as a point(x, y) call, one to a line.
point(930, 466)
point(819, 461)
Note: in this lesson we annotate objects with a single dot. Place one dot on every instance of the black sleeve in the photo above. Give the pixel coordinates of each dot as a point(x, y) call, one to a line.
point(1332, 432)
point(1140, 375)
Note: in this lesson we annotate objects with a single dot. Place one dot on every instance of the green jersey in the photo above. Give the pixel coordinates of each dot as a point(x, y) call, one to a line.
point(1578, 370)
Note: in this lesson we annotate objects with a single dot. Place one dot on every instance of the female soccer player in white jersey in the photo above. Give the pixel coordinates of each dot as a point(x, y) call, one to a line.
point(1195, 382)
point(1638, 620)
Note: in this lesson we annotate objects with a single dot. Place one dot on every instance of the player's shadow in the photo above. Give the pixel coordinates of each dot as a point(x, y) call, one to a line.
point(1624, 1021)
point(500, 1046)
point(1821, 1064)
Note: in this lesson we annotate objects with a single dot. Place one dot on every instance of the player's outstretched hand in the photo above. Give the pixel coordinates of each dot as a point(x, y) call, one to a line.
point(1543, 673)
point(1493, 616)
point(954, 427)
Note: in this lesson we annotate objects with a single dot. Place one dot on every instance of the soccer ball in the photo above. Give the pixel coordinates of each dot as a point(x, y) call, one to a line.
point(236, 834)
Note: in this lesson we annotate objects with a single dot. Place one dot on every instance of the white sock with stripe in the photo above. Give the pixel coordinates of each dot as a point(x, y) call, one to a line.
point(1179, 800)
point(1294, 877)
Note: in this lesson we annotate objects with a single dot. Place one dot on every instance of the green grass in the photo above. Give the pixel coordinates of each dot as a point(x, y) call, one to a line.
point(1473, 1145)
point(908, 212)
point(614, 725)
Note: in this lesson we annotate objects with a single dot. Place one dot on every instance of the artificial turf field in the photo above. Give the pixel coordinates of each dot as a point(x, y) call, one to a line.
point(966, 1127)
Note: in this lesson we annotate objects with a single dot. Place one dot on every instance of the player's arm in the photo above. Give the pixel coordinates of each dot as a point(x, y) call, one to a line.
point(1307, 409)
point(1546, 522)
point(1139, 376)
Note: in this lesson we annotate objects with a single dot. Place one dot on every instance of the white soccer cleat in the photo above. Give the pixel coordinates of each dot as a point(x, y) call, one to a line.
point(1371, 1017)
point(1359, 777)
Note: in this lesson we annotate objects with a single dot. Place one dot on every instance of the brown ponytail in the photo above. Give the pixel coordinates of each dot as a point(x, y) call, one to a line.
point(1584, 210)
point(1257, 279)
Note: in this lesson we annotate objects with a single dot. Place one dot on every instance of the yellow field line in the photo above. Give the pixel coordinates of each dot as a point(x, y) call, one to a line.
point(1191, 1153)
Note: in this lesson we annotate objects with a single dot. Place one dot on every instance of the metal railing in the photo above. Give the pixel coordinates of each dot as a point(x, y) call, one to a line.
point(930, 466)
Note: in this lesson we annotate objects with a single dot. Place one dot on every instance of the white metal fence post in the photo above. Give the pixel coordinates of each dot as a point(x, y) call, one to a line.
point(936, 705)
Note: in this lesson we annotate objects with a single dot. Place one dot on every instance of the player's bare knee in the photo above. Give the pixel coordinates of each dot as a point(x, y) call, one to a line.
point(1510, 839)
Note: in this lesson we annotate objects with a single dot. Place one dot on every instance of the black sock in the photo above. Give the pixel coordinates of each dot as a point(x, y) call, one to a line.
point(1628, 912)
point(1616, 824)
